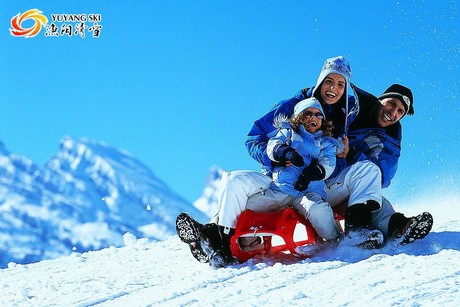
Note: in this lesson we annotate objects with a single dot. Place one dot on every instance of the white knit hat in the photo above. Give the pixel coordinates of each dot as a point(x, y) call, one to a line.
point(338, 65)
point(308, 103)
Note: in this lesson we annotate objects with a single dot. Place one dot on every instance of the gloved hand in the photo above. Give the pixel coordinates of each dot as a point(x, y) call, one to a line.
point(295, 158)
point(286, 153)
point(312, 172)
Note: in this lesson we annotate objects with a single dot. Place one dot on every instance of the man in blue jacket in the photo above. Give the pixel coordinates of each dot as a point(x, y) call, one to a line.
point(369, 163)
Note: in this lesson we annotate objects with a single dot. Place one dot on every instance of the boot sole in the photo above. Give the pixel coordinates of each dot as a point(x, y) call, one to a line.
point(418, 228)
point(188, 231)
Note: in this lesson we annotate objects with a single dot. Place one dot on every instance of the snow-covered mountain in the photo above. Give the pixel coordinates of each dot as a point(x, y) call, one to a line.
point(85, 198)
point(207, 203)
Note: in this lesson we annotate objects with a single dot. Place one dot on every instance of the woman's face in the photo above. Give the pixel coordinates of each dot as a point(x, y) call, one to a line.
point(332, 88)
point(312, 119)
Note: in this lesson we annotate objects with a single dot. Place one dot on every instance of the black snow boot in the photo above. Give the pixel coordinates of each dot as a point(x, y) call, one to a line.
point(407, 230)
point(358, 216)
point(222, 255)
point(200, 238)
point(209, 243)
point(358, 226)
point(189, 231)
point(397, 224)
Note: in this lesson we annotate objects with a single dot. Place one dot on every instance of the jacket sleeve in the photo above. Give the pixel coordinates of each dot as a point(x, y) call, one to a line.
point(327, 156)
point(263, 128)
point(282, 137)
point(378, 148)
point(258, 137)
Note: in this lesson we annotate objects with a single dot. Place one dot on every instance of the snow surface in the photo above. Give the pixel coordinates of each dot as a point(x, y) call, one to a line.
point(144, 273)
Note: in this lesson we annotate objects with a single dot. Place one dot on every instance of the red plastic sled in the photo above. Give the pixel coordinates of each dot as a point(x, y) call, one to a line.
point(283, 223)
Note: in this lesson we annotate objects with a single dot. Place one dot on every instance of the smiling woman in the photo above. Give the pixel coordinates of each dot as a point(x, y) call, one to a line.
point(332, 88)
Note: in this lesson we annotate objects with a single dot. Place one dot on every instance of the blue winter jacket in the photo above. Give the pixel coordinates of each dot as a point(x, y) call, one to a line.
point(311, 146)
point(263, 128)
point(368, 141)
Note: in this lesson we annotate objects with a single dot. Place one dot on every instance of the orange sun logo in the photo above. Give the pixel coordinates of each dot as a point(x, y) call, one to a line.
point(34, 14)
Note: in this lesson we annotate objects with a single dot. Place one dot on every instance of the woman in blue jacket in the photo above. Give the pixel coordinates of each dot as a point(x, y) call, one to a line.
point(211, 242)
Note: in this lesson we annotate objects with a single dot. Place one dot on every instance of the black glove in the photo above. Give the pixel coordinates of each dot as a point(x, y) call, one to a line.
point(286, 153)
point(312, 172)
point(295, 158)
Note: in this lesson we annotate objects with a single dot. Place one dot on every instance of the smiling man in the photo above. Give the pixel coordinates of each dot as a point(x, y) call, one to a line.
point(396, 102)
point(376, 133)
point(368, 165)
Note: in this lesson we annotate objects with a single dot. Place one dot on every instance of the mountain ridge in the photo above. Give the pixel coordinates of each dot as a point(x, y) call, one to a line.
point(84, 198)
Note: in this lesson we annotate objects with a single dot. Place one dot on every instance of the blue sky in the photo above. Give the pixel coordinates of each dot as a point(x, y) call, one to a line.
point(179, 83)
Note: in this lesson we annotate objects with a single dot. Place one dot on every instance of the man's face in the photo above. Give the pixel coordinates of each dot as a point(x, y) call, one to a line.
point(391, 111)
point(332, 88)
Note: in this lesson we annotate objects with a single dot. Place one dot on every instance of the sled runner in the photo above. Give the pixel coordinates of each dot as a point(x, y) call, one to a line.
point(288, 224)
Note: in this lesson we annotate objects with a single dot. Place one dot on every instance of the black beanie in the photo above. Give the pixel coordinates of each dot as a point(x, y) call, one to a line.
point(402, 93)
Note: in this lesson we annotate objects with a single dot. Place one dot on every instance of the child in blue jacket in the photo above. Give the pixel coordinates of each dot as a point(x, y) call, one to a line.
point(311, 154)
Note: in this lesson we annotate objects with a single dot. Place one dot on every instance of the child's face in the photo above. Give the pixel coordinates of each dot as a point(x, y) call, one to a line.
point(312, 119)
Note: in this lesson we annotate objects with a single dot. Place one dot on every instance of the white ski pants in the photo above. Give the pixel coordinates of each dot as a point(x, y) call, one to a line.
point(235, 189)
point(241, 190)
point(359, 183)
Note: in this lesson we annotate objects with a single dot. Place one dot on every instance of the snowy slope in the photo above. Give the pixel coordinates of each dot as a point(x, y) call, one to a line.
point(144, 273)
point(85, 198)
